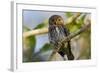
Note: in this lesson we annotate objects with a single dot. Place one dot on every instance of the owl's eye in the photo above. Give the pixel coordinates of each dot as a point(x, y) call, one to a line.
point(58, 19)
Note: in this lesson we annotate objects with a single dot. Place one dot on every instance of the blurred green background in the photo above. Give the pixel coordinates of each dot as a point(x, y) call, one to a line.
point(37, 48)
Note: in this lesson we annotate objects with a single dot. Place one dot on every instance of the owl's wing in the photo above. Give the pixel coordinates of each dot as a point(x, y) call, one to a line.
point(66, 31)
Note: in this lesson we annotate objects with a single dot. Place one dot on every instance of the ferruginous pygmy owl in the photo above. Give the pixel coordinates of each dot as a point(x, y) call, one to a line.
point(57, 32)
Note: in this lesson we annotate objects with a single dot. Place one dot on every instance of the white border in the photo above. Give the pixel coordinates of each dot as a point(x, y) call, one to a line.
point(17, 36)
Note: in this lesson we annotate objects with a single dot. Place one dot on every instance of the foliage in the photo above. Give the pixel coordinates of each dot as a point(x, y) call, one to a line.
point(29, 44)
point(69, 14)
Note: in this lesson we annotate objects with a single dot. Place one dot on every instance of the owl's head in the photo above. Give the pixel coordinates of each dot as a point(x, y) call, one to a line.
point(56, 20)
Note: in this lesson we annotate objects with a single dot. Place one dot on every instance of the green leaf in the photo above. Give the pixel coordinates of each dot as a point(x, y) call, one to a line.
point(31, 41)
point(25, 28)
point(40, 26)
point(69, 14)
point(80, 21)
point(72, 27)
point(82, 18)
point(46, 47)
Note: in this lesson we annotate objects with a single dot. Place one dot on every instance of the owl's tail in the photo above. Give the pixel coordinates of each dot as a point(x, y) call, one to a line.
point(67, 52)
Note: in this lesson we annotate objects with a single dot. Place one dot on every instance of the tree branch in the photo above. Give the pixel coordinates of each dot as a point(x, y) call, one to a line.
point(45, 30)
point(35, 32)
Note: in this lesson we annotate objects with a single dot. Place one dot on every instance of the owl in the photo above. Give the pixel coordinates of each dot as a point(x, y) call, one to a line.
point(57, 32)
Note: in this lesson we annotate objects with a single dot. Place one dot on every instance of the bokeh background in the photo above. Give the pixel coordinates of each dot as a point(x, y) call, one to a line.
point(37, 48)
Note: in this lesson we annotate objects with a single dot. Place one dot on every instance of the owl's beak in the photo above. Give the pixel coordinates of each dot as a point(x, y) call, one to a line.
point(60, 22)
